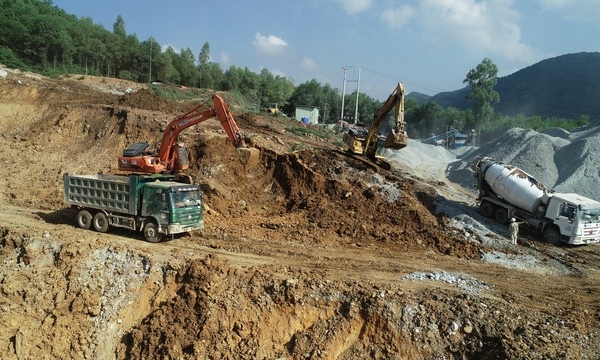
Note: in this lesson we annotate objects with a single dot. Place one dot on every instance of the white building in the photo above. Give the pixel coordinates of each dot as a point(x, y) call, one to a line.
point(310, 114)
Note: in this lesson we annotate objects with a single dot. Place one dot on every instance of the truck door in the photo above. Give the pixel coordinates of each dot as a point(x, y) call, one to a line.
point(156, 204)
point(565, 218)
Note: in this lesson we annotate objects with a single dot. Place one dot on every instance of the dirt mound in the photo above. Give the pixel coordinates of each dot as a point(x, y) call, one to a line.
point(326, 193)
point(146, 99)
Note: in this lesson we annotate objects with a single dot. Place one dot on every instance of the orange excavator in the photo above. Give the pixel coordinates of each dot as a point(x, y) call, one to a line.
point(173, 157)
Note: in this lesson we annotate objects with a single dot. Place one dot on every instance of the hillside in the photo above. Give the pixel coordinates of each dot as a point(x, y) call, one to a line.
point(306, 254)
point(565, 86)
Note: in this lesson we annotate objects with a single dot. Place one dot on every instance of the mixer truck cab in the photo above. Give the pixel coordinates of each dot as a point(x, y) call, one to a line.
point(506, 192)
point(576, 217)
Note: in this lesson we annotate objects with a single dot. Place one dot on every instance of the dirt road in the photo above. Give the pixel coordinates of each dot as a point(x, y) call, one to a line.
point(308, 254)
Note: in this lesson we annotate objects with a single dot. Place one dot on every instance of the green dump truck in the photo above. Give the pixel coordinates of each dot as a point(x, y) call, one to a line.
point(156, 205)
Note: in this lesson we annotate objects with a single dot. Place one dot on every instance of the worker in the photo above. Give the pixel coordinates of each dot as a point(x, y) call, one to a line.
point(513, 230)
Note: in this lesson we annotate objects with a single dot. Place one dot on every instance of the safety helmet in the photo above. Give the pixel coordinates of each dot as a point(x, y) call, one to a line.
point(512, 220)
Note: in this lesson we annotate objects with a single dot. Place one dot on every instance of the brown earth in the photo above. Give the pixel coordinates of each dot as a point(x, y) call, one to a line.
point(305, 254)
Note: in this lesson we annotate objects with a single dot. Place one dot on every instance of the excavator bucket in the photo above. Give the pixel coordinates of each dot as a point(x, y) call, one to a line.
point(396, 140)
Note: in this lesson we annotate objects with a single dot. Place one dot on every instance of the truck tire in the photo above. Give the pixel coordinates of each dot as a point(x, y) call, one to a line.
point(100, 222)
point(151, 233)
point(84, 219)
point(551, 235)
point(487, 209)
point(501, 215)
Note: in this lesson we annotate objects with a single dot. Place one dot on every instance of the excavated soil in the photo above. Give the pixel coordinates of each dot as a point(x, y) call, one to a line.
point(306, 253)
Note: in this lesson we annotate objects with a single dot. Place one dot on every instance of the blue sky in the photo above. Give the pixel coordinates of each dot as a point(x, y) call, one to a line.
point(429, 45)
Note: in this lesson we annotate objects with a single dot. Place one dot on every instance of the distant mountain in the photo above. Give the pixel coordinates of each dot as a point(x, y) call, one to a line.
point(421, 98)
point(565, 86)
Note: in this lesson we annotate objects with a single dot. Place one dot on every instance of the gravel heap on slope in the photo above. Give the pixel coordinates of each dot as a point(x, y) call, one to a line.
point(562, 161)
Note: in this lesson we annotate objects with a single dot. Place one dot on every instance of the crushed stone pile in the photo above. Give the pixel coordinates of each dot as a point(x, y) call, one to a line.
point(562, 161)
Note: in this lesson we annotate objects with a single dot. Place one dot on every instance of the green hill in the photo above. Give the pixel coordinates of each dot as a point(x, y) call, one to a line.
point(566, 86)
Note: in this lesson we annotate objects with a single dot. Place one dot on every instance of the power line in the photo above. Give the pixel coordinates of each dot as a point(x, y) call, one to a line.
point(407, 82)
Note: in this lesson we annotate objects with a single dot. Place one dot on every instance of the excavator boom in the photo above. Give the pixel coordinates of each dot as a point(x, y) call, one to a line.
point(172, 157)
point(397, 138)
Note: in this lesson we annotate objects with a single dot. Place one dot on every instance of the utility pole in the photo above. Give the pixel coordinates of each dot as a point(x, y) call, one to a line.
point(357, 91)
point(150, 74)
point(357, 81)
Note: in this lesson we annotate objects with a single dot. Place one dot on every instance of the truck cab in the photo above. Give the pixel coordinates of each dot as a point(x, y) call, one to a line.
point(175, 207)
point(577, 218)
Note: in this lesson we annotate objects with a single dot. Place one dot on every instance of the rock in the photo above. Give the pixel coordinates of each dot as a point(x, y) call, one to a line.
point(468, 329)
point(453, 327)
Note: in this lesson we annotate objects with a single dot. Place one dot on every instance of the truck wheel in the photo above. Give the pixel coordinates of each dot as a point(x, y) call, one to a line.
point(100, 222)
point(84, 219)
point(487, 209)
point(151, 233)
point(551, 236)
point(501, 215)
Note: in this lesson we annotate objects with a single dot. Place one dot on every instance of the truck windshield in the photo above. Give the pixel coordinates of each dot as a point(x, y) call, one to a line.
point(186, 198)
point(590, 214)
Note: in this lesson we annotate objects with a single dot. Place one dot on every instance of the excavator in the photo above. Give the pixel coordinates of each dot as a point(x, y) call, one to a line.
point(173, 157)
point(370, 143)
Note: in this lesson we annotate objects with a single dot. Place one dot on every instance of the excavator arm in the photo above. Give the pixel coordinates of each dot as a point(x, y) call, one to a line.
point(172, 157)
point(397, 138)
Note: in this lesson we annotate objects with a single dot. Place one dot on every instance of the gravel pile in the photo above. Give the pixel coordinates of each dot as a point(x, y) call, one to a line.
point(562, 161)
point(465, 282)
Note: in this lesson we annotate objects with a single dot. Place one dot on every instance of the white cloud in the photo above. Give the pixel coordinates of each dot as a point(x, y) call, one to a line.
point(269, 45)
point(585, 10)
point(164, 48)
point(309, 63)
point(225, 59)
point(398, 17)
point(489, 27)
point(355, 6)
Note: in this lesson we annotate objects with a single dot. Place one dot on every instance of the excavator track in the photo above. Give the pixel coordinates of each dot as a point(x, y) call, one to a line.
point(373, 164)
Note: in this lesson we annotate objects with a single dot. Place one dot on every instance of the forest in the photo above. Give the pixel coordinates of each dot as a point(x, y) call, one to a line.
point(37, 36)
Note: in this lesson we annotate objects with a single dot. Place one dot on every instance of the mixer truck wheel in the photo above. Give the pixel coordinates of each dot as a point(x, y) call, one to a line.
point(100, 222)
point(151, 233)
point(84, 219)
point(501, 215)
point(551, 236)
point(487, 209)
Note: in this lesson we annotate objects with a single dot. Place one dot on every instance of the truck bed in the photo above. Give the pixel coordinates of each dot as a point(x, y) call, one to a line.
point(106, 192)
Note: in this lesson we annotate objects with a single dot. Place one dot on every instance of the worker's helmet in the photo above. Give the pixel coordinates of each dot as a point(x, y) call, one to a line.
point(512, 220)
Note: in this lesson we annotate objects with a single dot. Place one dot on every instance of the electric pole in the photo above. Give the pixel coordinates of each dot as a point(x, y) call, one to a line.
point(357, 81)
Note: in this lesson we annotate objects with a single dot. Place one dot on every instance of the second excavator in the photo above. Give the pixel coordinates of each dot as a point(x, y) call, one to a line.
point(371, 143)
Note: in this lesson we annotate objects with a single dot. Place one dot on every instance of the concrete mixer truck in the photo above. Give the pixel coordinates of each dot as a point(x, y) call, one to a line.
point(508, 192)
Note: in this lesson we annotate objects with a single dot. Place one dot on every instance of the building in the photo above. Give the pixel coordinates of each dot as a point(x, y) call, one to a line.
point(307, 114)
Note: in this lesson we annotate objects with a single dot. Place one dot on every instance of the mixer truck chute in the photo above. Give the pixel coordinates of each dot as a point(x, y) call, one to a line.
point(506, 191)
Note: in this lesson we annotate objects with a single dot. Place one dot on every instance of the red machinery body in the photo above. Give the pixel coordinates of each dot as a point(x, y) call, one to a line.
point(172, 157)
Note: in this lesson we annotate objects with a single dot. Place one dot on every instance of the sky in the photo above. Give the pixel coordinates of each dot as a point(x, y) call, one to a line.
point(428, 45)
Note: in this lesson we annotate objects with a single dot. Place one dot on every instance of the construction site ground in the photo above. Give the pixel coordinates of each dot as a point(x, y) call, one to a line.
point(306, 253)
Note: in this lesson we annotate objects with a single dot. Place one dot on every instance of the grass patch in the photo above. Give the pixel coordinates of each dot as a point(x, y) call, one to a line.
point(317, 131)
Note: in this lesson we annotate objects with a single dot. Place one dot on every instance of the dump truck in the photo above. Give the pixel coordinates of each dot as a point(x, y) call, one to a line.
point(156, 205)
point(507, 192)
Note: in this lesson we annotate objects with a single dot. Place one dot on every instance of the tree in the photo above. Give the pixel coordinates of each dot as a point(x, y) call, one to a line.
point(119, 27)
point(482, 80)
